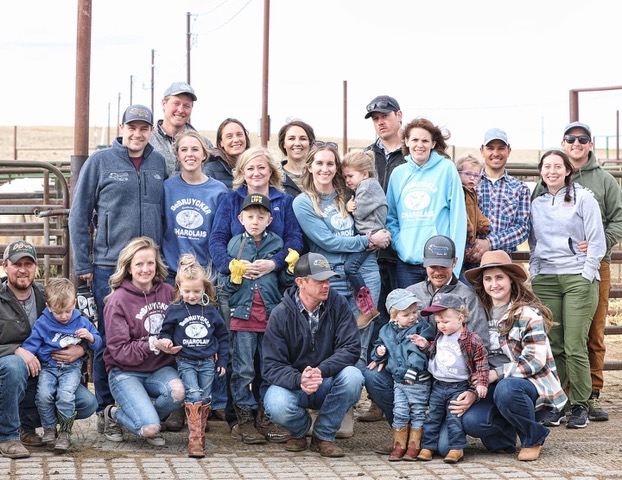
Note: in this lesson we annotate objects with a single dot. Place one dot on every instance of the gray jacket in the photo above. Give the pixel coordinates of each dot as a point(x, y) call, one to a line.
point(371, 206)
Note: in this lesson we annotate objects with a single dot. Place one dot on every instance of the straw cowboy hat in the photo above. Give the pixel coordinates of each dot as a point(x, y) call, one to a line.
point(491, 259)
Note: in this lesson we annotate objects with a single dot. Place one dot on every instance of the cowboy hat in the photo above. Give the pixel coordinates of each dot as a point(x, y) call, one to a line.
point(492, 259)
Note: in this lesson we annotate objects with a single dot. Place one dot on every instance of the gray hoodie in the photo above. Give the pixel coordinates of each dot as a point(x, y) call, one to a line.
point(557, 228)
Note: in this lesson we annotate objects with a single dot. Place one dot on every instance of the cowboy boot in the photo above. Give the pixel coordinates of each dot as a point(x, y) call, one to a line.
point(66, 424)
point(414, 444)
point(205, 410)
point(271, 432)
point(193, 414)
point(367, 308)
point(400, 439)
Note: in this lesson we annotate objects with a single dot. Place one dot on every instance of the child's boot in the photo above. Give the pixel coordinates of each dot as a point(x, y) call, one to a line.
point(400, 440)
point(414, 444)
point(367, 308)
point(49, 434)
point(205, 410)
point(66, 424)
point(196, 431)
point(246, 427)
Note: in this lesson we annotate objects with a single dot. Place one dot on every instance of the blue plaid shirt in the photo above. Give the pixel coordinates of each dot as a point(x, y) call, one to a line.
point(506, 203)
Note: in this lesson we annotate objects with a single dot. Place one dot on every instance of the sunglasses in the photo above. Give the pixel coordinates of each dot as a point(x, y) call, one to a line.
point(471, 175)
point(320, 143)
point(382, 104)
point(583, 139)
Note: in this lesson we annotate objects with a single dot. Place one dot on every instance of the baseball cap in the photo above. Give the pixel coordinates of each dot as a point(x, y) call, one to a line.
point(18, 250)
point(382, 104)
point(495, 134)
point(439, 251)
point(580, 125)
point(180, 87)
point(256, 199)
point(400, 299)
point(136, 113)
point(315, 266)
point(442, 301)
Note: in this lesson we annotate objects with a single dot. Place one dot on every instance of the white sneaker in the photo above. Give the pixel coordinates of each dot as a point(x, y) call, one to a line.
point(157, 440)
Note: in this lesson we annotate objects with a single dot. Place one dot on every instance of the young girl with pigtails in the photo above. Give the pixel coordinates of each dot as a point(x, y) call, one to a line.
point(193, 323)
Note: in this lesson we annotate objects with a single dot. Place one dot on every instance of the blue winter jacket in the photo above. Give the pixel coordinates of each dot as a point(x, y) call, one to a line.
point(128, 204)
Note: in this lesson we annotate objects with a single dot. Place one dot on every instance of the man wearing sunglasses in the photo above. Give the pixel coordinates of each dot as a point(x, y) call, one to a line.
point(387, 118)
point(577, 143)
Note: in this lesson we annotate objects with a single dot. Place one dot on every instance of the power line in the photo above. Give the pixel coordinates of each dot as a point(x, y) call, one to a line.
point(207, 32)
point(212, 10)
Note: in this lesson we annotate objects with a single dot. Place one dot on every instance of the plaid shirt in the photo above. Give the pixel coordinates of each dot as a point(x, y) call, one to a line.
point(527, 346)
point(474, 354)
point(506, 204)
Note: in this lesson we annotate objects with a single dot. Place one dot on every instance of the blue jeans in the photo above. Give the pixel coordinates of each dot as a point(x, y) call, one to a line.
point(410, 403)
point(352, 267)
point(57, 391)
point(333, 399)
point(507, 411)
point(244, 346)
point(134, 391)
point(198, 378)
point(408, 274)
point(101, 289)
point(17, 399)
point(371, 275)
point(442, 394)
point(379, 386)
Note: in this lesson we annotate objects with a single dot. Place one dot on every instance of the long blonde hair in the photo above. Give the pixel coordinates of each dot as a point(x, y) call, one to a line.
point(339, 183)
point(276, 177)
point(189, 269)
point(125, 259)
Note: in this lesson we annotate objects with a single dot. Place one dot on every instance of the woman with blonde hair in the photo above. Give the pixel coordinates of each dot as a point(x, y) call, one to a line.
point(142, 378)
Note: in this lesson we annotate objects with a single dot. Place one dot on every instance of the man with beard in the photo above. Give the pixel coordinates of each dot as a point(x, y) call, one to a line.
point(21, 303)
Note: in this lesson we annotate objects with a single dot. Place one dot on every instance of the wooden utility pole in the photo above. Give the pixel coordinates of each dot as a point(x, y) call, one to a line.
point(188, 47)
point(265, 118)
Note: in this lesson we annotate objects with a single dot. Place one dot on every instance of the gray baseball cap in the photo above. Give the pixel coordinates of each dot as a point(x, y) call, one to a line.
point(138, 113)
point(400, 299)
point(439, 251)
point(19, 249)
point(495, 134)
point(180, 87)
point(442, 301)
point(315, 266)
point(580, 125)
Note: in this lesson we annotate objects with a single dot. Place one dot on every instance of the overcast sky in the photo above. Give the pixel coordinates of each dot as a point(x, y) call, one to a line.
point(465, 65)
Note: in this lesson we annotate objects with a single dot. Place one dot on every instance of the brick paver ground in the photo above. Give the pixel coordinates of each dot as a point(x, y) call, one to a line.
point(592, 453)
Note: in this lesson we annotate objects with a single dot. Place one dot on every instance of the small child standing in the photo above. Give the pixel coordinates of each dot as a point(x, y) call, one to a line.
point(369, 208)
point(60, 325)
point(455, 356)
point(193, 324)
point(407, 363)
point(470, 170)
point(251, 302)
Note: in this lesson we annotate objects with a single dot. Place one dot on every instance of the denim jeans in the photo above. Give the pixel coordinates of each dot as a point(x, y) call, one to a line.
point(198, 378)
point(244, 346)
point(335, 396)
point(410, 403)
point(101, 289)
point(379, 386)
point(56, 390)
point(442, 394)
point(408, 274)
point(507, 411)
point(371, 275)
point(134, 391)
point(352, 267)
point(17, 399)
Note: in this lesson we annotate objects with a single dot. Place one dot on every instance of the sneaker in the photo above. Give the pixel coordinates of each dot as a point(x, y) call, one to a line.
point(112, 431)
point(555, 419)
point(157, 440)
point(578, 418)
point(101, 425)
point(595, 410)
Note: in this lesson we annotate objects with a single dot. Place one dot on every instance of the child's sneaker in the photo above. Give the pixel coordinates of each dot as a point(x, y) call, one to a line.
point(49, 434)
point(578, 418)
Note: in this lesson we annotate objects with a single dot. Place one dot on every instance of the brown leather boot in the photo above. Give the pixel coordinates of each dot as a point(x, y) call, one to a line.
point(205, 411)
point(400, 440)
point(425, 455)
point(246, 427)
point(196, 432)
point(271, 432)
point(414, 444)
point(454, 456)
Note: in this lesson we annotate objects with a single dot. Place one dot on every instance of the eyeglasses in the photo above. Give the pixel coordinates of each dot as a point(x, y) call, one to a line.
point(320, 143)
point(382, 104)
point(583, 139)
point(471, 175)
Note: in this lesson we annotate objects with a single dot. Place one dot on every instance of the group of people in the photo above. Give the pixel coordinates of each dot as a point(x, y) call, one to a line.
point(230, 284)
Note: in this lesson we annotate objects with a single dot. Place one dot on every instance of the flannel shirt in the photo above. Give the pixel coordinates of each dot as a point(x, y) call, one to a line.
point(506, 203)
point(474, 354)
